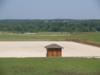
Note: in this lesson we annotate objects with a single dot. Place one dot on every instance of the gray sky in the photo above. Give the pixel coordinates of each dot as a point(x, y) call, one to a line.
point(50, 9)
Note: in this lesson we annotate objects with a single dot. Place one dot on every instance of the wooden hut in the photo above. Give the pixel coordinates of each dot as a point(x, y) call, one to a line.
point(54, 50)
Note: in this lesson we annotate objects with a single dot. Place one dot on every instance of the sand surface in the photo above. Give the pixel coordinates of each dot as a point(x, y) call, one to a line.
point(37, 49)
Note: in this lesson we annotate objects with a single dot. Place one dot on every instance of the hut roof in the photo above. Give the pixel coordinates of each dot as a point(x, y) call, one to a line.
point(53, 46)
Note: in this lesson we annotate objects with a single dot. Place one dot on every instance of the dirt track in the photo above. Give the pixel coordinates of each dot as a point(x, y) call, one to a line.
point(36, 49)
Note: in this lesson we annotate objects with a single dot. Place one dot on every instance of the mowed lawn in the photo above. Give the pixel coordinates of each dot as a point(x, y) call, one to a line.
point(41, 36)
point(49, 66)
point(87, 36)
point(51, 36)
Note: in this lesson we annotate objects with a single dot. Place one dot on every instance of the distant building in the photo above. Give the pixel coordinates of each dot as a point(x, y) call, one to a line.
point(54, 50)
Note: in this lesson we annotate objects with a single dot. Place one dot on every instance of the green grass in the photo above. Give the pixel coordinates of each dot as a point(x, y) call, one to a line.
point(87, 36)
point(33, 37)
point(51, 36)
point(49, 66)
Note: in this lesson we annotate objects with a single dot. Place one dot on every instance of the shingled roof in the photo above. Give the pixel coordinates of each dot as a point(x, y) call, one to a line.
point(53, 46)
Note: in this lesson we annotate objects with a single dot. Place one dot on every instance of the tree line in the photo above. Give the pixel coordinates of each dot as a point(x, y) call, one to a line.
point(53, 25)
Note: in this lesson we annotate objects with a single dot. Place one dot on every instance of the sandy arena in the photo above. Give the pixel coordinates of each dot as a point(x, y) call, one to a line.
point(20, 49)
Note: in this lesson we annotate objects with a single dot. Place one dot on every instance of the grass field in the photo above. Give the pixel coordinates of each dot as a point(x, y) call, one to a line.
point(33, 37)
point(88, 36)
point(51, 36)
point(49, 66)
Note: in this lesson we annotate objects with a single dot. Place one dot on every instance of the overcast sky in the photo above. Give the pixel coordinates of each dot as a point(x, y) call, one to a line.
point(50, 9)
